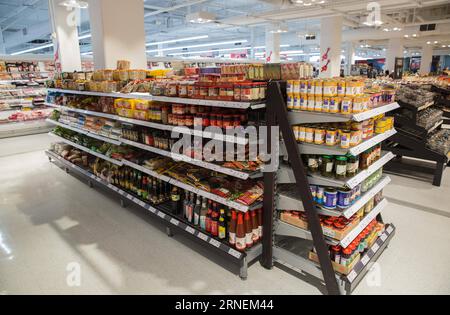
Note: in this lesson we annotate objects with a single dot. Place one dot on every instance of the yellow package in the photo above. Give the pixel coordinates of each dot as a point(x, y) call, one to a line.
point(141, 104)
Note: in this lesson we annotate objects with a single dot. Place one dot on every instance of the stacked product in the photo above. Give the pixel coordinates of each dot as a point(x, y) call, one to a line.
point(334, 96)
point(346, 135)
point(227, 225)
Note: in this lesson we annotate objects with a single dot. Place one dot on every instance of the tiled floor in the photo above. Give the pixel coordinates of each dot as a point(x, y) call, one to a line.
point(51, 223)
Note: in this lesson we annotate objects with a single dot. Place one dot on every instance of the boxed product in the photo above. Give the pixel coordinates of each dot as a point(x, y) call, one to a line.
point(345, 270)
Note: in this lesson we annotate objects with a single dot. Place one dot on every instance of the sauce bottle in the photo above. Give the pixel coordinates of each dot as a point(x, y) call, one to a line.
point(174, 199)
point(248, 230)
point(222, 233)
point(203, 212)
point(197, 208)
point(232, 228)
point(215, 221)
point(255, 226)
point(208, 217)
point(240, 232)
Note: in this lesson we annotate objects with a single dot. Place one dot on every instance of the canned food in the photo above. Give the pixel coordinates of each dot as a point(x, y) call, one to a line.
point(346, 107)
point(290, 101)
point(335, 105)
point(309, 135)
point(319, 104)
point(302, 134)
point(326, 105)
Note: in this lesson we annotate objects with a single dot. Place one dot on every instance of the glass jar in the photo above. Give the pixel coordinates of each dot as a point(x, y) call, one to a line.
point(319, 136)
point(327, 166)
point(352, 165)
point(341, 167)
point(313, 163)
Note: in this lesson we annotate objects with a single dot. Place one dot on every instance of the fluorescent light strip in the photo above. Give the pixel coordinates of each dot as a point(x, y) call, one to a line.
point(31, 49)
point(84, 36)
point(264, 47)
point(208, 51)
point(177, 40)
point(199, 45)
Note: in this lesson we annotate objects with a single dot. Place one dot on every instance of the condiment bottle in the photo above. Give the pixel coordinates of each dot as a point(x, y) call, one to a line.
point(255, 232)
point(248, 230)
point(232, 228)
point(240, 233)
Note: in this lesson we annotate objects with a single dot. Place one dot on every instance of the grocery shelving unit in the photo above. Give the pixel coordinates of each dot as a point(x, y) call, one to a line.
point(410, 141)
point(173, 223)
point(286, 245)
point(243, 259)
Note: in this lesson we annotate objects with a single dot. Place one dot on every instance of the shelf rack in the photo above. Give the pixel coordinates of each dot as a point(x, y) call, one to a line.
point(178, 100)
point(183, 130)
point(410, 141)
point(172, 222)
point(298, 196)
point(178, 157)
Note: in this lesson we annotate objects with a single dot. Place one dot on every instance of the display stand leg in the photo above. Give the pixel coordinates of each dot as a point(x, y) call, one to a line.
point(90, 184)
point(243, 269)
point(67, 170)
point(122, 203)
point(169, 231)
point(440, 167)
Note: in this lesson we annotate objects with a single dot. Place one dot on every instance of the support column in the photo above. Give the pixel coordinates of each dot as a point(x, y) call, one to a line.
point(67, 46)
point(118, 33)
point(349, 57)
point(273, 41)
point(394, 50)
point(427, 58)
point(2, 43)
point(331, 38)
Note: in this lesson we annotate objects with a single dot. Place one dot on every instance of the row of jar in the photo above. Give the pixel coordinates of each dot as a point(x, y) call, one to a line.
point(342, 166)
point(238, 91)
point(332, 87)
point(334, 105)
point(331, 136)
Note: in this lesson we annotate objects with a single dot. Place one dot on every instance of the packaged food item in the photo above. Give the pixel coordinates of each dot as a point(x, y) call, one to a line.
point(318, 104)
point(319, 136)
point(327, 166)
point(290, 101)
point(344, 198)
point(302, 134)
point(331, 137)
point(309, 135)
point(313, 163)
point(330, 198)
point(346, 105)
point(345, 139)
point(341, 167)
point(303, 102)
point(330, 88)
point(311, 102)
point(335, 105)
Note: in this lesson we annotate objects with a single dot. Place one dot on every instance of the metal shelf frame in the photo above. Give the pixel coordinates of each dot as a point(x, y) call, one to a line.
point(279, 116)
point(242, 259)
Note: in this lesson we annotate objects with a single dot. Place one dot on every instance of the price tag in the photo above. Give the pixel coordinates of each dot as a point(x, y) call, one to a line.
point(202, 236)
point(121, 192)
point(142, 203)
point(174, 221)
point(190, 229)
point(135, 200)
point(234, 253)
point(161, 215)
point(383, 237)
point(352, 275)
point(365, 260)
point(152, 209)
point(375, 247)
point(214, 242)
point(389, 229)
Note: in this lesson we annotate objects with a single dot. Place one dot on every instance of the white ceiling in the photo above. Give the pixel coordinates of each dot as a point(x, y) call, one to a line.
point(25, 23)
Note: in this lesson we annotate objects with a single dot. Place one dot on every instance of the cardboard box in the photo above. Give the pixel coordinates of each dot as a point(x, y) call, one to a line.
point(340, 234)
point(345, 270)
point(330, 232)
point(296, 221)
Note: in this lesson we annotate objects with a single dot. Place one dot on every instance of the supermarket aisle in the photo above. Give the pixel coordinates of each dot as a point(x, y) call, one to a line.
point(57, 220)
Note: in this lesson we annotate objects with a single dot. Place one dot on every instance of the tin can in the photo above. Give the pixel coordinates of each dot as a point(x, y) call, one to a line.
point(318, 107)
point(335, 105)
point(303, 102)
point(302, 134)
point(346, 107)
point(330, 198)
point(311, 102)
point(345, 139)
point(319, 136)
point(309, 135)
point(290, 101)
point(344, 198)
point(297, 102)
point(326, 105)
